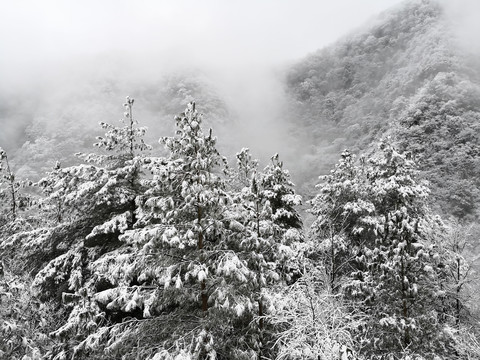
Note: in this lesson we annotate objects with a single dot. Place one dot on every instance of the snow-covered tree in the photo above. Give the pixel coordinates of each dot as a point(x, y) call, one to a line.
point(10, 187)
point(17, 211)
point(14, 199)
point(189, 279)
point(393, 267)
point(25, 320)
point(54, 204)
point(459, 280)
point(246, 167)
point(398, 275)
point(278, 189)
point(107, 183)
point(92, 204)
point(268, 227)
point(338, 209)
point(113, 181)
point(168, 290)
point(310, 322)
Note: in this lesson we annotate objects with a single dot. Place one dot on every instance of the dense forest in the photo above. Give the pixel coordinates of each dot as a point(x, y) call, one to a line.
point(407, 77)
point(170, 239)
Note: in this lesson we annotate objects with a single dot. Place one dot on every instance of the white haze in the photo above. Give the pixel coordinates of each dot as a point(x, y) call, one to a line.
point(464, 17)
point(208, 31)
point(50, 47)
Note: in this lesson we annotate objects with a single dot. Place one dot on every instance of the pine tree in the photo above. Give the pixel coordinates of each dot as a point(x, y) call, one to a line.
point(93, 203)
point(120, 174)
point(393, 267)
point(178, 277)
point(269, 228)
point(173, 264)
point(24, 320)
point(339, 208)
point(279, 191)
point(11, 186)
point(397, 274)
point(246, 167)
point(190, 277)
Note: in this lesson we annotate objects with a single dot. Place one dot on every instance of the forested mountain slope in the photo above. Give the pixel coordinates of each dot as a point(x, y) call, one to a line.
point(405, 76)
point(61, 118)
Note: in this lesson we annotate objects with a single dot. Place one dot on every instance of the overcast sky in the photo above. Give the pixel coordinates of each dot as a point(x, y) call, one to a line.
point(204, 31)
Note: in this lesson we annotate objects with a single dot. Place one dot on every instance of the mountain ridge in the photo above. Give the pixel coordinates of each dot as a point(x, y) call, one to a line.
point(369, 85)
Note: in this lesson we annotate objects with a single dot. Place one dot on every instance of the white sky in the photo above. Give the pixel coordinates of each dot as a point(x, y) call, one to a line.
point(36, 32)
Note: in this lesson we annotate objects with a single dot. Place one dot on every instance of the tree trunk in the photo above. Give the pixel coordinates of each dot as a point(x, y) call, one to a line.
point(11, 181)
point(203, 285)
point(406, 335)
point(457, 314)
point(333, 269)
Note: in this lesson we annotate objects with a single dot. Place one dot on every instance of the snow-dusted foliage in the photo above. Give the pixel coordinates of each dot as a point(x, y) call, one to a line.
point(126, 140)
point(14, 200)
point(55, 186)
point(8, 186)
point(90, 205)
point(197, 260)
point(374, 226)
point(312, 323)
point(246, 167)
point(263, 212)
point(340, 208)
point(266, 225)
point(108, 181)
point(279, 191)
point(188, 280)
point(24, 320)
point(398, 272)
point(175, 255)
point(459, 276)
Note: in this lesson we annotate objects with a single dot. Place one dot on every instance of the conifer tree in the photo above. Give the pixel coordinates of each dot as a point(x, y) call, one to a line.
point(93, 204)
point(269, 228)
point(279, 191)
point(178, 276)
point(175, 264)
point(397, 274)
point(10, 188)
point(24, 320)
point(339, 208)
point(246, 167)
point(119, 181)
point(393, 268)
point(54, 203)
point(190, 275)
